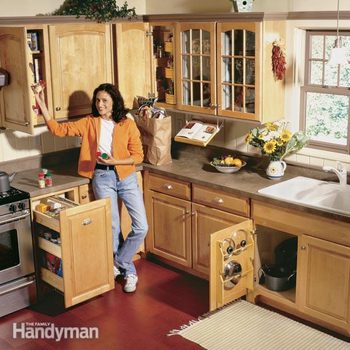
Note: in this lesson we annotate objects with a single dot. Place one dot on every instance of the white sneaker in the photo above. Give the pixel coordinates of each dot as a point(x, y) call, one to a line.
point(130, 283)
point(116, 272)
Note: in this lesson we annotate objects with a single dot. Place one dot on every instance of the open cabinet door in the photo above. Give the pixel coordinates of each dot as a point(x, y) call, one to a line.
point(16, 98)
point(231, 263)
point(133, 75)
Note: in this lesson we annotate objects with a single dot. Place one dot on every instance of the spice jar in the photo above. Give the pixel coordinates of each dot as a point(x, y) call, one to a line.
point(48, 180)
point(41, 180)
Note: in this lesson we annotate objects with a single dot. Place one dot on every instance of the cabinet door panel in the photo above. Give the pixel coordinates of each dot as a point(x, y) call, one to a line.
point(324, 280)
point(80, 61)
point(196, 74)
point(134, 61)
point(87, 257)
point(170, 227)
point(16, 104)
point(206, 221)
point(231, 264)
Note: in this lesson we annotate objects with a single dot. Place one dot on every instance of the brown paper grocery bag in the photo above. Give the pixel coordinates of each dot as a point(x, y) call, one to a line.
point(156, 139)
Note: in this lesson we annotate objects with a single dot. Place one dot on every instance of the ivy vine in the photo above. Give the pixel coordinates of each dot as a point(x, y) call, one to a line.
point(97, 10)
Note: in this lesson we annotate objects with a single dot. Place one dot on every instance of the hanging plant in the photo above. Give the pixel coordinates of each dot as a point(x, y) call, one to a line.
point(98, 10)
point(278, 61)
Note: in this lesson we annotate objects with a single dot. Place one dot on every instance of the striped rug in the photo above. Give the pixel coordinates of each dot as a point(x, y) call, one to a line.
point(245, 326)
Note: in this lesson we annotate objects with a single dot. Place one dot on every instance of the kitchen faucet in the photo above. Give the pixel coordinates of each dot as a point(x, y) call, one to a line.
point(340, 171)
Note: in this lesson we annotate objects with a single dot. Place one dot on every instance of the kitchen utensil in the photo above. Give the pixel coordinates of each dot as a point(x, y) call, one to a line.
point(5, 180)
point(276, 277)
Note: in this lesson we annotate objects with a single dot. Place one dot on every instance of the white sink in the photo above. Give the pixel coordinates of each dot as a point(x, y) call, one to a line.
point(313, 193)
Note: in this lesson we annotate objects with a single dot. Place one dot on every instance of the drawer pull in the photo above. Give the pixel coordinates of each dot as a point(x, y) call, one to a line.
point(84, 196)
point(168, 187)
point(218, 200)
point(87, 221)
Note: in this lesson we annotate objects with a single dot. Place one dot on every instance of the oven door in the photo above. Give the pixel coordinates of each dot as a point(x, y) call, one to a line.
point(16, 247)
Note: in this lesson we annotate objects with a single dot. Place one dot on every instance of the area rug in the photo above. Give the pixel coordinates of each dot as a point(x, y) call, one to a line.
point(245, 326)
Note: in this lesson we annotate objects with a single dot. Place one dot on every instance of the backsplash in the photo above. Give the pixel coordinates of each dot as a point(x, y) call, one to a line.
point(17, 145)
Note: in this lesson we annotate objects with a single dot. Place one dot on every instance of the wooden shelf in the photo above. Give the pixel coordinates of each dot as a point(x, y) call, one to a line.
point(50, 247)
point(52, 279)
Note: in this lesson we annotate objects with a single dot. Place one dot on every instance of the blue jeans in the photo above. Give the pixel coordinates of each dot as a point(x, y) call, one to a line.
point(105, 183)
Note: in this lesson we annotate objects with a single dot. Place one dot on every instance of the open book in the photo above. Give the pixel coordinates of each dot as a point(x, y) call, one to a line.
point(196, 132)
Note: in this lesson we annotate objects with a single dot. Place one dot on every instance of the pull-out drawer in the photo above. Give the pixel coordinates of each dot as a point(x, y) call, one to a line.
point(173, 187)
point(79, 260)
point(221, 200)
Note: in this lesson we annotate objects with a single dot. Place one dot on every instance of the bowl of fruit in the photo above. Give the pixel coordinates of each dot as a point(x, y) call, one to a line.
point(227, 164)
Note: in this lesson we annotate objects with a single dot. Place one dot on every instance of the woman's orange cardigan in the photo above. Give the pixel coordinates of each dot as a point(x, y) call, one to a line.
point(126, 143)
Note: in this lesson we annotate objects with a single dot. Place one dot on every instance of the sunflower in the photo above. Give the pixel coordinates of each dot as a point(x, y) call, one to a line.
point(271, 126)
point(270, 147)
point(249, 138)
point(286, 135)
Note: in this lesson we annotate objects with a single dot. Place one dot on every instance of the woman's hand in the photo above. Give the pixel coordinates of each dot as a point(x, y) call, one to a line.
point(39, 95)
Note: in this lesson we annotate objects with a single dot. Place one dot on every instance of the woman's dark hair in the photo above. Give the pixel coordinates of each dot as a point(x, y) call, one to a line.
point(119, 111)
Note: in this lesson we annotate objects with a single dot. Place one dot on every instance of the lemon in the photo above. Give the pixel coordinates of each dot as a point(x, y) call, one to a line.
point(237, 162)
point(229, 160)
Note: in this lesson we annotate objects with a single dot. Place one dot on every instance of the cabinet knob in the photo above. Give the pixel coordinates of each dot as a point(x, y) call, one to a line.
point(168, 187)
point(58, 109)
point(303, 247)
point(84, 196)
point(218, 200)
point(87, 221)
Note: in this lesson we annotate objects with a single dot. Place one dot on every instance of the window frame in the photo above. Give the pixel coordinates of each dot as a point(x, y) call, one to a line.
point(307, 87)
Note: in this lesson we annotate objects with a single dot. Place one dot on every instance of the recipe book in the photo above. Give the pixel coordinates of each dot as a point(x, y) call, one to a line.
point(196, 132)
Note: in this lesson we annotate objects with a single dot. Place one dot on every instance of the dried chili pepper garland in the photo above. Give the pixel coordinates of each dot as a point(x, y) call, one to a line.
point(278, 61)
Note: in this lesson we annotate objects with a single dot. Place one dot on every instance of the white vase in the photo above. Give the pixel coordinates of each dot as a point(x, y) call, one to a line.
point(275, 169)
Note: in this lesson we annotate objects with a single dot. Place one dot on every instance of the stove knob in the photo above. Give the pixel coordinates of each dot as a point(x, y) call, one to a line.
point(21, 206)
point(12, 208)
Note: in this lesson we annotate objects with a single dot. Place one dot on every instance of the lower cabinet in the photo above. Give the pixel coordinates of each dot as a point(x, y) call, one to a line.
point(322, 289)
point(181, 224)
point(74, 247)
point(324, 281)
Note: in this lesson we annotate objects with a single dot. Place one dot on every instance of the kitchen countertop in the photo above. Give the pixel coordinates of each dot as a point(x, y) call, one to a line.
point(245, 182)
point(192, 166)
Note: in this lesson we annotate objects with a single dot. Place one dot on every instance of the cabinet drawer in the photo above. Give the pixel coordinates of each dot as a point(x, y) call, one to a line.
point(221, 200)
point(176, 188)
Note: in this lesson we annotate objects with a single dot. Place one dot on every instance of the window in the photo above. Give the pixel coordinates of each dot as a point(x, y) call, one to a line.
point(325, 95)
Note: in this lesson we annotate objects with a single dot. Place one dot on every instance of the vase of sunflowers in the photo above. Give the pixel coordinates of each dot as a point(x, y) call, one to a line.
point(276, 141)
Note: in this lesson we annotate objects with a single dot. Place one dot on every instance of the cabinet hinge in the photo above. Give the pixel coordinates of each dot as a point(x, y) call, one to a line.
point(149, 33)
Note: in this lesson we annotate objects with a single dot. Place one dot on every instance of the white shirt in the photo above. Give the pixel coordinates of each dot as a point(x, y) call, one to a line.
point(106, 133)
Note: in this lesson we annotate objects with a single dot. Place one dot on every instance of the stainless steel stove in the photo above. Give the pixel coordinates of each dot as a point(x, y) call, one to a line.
point(17, 279)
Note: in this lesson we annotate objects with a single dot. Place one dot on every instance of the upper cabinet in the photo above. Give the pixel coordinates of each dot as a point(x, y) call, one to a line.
point(196, 83)
point(72, 59)
point(225, 69)
point(81, 59)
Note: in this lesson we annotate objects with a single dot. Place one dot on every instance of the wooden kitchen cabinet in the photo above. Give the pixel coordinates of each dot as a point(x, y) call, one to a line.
point(225, 69)
point(85, 250)
point(322, 292)
point(72, 59)
point(324, 281)
point(145, 61)
point(180, 229)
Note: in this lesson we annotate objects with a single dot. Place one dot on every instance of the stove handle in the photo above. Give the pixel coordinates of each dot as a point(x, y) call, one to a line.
point(20, 217)
point(22, 285)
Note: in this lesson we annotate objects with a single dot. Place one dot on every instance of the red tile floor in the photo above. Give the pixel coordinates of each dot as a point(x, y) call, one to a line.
point(165, 299)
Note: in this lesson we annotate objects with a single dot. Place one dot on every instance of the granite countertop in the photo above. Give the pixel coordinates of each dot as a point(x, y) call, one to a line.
point(246, 182)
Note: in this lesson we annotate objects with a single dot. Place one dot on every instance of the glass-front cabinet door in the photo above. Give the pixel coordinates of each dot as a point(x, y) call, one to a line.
point(196, 74)
point(237, 68)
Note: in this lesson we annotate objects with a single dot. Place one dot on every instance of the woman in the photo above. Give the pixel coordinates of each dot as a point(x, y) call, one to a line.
point(109, 131)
